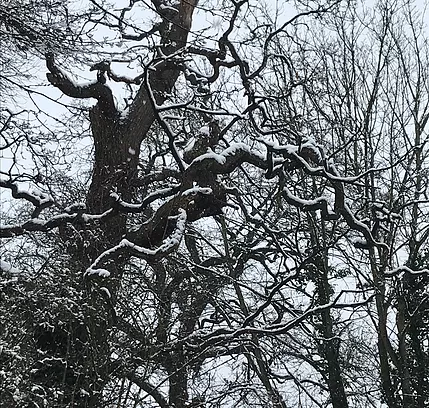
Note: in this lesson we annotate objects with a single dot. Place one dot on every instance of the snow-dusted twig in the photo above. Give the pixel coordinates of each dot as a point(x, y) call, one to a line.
point(38, 199)
point(401, 270)
point(42, 225)
point(169, 245)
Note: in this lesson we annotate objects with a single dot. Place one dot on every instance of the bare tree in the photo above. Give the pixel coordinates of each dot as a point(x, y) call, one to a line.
point(370, 105)
point(247, 223)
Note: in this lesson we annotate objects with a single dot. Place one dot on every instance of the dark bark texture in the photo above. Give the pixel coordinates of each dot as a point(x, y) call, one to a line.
point(117, 143)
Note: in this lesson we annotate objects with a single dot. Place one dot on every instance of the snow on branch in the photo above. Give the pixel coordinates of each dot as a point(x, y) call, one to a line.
point(103, 68)
point(401, 270)
point(37, 224)
point(41, 201)
point(169, 245)
point(228, 160)
point(319, 203)
point(126, 207)
point(310, 157)
point(38, 199)
point(98, 89)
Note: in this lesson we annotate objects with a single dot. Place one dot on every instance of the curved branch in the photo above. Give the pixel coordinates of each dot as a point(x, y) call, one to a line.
point(301, 157)
point(149, 389)
point(169, 245)
point(40, 225)
point(96, 90)
point(39, 200)
point(227, 161)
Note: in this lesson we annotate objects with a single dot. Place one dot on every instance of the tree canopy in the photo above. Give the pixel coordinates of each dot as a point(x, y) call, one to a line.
point(214, 204)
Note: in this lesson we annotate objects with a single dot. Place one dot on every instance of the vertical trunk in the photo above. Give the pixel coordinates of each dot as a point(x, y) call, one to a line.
point(404, 372)
point(114, 168)
point(85, 370)
point(178, 379)
point(330, 349)
point(330, 346)
point(385, 351)
point(113, 162)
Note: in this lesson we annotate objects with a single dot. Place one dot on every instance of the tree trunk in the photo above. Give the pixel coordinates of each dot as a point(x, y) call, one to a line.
point(331, 344)
point(117, 142)
point(385, 350)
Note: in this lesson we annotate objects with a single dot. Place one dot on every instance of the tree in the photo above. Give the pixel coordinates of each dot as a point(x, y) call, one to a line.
point(238, 234)
point(382, 117)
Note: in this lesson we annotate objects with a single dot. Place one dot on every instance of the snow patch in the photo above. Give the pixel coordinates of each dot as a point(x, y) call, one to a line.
point(197, 190)
point(205, 131)
point(8, 268)
point(189, 146)
point(106, 291)
point(167, 7)
point(220, 158)
point(102, 273)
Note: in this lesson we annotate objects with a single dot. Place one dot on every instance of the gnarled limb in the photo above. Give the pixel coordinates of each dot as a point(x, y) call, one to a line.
point(58, 78)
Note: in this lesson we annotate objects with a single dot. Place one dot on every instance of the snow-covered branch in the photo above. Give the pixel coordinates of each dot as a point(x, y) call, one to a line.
point(168, 245)
point(98, 89)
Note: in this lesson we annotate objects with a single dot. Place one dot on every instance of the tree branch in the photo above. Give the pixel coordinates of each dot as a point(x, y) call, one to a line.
point(96, 90)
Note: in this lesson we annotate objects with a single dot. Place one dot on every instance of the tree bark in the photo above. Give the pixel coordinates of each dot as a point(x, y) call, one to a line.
point(117, 142)
point(330, 346)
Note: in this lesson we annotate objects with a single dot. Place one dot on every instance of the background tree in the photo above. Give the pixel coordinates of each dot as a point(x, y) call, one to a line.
point(375, 110)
